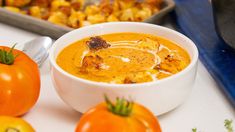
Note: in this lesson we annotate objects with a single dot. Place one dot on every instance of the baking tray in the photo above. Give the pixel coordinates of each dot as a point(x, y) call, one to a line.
point(55, 31)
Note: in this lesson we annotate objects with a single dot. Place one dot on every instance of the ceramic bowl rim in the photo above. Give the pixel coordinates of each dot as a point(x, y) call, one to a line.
point(193, 62)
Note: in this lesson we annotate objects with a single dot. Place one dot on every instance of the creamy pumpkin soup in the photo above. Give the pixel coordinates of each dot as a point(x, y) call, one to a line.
point(123, 58)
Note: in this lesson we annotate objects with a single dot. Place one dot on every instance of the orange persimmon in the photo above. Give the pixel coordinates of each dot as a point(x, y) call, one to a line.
point(19, 82)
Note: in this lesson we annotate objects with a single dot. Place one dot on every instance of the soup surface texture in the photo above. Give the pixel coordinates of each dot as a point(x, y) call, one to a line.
point(123, 58)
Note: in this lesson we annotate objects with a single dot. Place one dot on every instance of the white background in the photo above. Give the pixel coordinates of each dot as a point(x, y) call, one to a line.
point(206, 108)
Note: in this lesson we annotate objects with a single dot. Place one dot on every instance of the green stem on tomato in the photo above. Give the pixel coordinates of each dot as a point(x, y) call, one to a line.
point(7, 57)
point(122, 107)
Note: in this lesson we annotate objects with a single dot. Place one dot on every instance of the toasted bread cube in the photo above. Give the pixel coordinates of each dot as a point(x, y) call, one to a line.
point(35, 11)
point(97, 18)
point(172, 64)
point(112, 18)
point(127, 15)
point(149, 44)
point(41, 3)
point(58, 18)
point(76, 19)
point(92, 10)
point(17, 3)
point(137, 77)
point(91, 63)
point(57, 4)
point(39, 12)
point(13, 9)
point(143, 14)
point(162, 75)
point(124, 4)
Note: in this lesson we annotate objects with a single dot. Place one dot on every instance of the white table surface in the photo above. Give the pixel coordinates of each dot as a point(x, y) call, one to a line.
point(206, 108)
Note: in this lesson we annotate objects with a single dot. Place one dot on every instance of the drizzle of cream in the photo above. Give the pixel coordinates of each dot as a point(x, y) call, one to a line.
point(131, 44)
point(120, 43)
point(153, 76)
point(157, 59)
point(165, 72)
point(104, 66)
point(163, 47)
point(124, 59)
point(84, 53)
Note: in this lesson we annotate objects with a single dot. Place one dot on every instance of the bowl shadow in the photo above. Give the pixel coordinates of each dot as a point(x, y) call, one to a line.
point(60, 112)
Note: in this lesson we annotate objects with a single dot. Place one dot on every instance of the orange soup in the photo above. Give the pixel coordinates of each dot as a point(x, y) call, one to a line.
point(123, 58)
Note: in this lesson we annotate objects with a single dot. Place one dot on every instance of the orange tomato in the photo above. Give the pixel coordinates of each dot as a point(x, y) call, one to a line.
point(19, 82)
point(121, 117)
point(12, 124)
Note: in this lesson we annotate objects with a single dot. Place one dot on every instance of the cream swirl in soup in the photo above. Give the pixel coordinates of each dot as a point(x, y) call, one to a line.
point(123, 58)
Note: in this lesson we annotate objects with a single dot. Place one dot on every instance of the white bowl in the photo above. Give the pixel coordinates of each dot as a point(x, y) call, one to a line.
point(159, 96)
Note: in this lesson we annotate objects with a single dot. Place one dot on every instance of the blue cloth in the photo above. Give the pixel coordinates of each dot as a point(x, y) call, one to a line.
point(194, 18)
